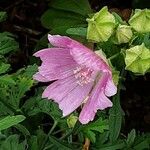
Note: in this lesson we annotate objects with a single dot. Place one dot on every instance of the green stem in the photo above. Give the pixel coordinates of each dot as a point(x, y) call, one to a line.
point(114, 56)
point(49, 133)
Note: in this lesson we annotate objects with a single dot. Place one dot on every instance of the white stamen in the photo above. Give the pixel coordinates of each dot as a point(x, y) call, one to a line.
point(83, 75)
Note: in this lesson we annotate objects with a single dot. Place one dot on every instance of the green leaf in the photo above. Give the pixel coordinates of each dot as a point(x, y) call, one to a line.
point(33, 143)
point(23, 84)
point(115, 119)
point(7, 43)
point(36, 105)
point(12, 143)
point(3, 16)
point(118, 145)
point(7, 80)
point(118, 19)
point(22, 129)
point(10, 121)
point(77, 6)
point(4, 109)
point(144, 145)
point(137, 59)
point(27, 72)
point(99, 126)
point(4, 67)
point(53, 18)
point(80, 31)
point(131, 137)
point(59, 144)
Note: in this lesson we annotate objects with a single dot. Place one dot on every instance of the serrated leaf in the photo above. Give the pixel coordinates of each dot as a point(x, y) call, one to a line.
point(3, 16)
point(10, 121)
point(23, 84)
point(99, 126)
point(7, 43)
point(4, 68)
point(7, 80)
point(12, 143)
point(131, 137)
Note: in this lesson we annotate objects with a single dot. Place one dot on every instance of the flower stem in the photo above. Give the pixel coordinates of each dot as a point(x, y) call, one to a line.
point(113, 56)
point(86, 144)
point(49, 133)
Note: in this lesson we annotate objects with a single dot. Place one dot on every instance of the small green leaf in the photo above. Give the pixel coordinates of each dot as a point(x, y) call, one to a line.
point(23, 84)
point(4, 68)
point(7, 43)
point(101, 26)
point(137, 59)
point(99, 126)
point(10, 121)
point(12, 143)
point(80, 31)
point(118, 19)
point(131, 137)
point(3, 16)
point(7, 80)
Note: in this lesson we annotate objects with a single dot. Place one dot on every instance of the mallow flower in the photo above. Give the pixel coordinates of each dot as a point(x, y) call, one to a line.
point(81, 77)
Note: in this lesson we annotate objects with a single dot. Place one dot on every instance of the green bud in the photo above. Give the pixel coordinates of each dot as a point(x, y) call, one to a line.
point(115, 76)
point(123, 34)
point(71, 121)
point(140, 21)
point(137, 59)
point(101, 26)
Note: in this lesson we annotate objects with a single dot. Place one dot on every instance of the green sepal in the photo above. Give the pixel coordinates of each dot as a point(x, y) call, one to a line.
point(137, 59)
point(101, 26)
point(140, 21)
point(123, 34)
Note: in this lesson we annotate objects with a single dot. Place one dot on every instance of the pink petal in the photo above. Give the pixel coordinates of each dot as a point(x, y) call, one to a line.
point(97, 100)
point(110, 88)
point(39, 77)
point(59, 41)
point(66, 93)
point(57, 63)
point(81, 54)
point(58, 89)
point(74, 98)
point(88, 58)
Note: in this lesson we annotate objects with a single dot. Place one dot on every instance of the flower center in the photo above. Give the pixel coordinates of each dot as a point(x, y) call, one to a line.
point(83, 75)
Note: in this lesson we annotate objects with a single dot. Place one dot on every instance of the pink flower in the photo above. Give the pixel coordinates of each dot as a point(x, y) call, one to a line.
point(82, 77)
